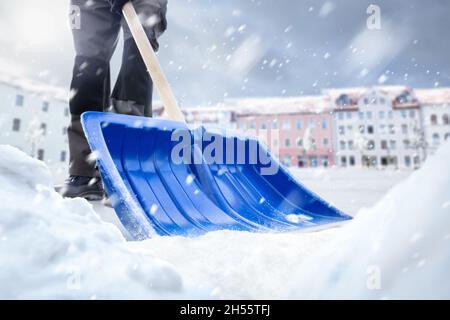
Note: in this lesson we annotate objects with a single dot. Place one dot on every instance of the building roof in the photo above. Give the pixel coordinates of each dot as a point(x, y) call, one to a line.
point(279, 105)
point(356, 93)
point(210, 114)
point(35, 87)
point(433, 96)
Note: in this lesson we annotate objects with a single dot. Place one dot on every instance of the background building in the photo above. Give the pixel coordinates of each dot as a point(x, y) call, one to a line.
point(34, 118)
point(435, 112)
point(378, 127)
point(299, 130)
point(381, 126)
point(218, 116)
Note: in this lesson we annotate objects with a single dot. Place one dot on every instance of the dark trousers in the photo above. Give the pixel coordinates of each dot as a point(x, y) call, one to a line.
point(95, 40)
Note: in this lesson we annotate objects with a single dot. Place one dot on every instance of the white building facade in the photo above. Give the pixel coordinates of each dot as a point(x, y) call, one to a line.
point(34, 118)
point(435, 112)
point(378, 127)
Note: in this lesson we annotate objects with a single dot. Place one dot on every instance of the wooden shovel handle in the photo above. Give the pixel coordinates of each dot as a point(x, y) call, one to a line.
point(152, 64)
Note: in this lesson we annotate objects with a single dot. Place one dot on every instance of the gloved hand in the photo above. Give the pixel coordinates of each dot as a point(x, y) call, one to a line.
point(117, 5)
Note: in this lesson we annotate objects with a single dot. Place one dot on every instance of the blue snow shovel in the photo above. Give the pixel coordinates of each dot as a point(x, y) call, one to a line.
point(165, 178)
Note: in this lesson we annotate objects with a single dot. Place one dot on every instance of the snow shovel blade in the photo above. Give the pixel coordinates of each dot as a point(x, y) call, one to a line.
point(163, 178)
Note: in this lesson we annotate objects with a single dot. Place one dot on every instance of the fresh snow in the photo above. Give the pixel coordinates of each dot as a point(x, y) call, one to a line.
point(61, 248)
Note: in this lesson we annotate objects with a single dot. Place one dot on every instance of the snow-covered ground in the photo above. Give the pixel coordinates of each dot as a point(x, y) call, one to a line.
point(398, 248)
point(351, 189)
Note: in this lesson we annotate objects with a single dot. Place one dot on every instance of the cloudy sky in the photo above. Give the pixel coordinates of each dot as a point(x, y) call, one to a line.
point(215, 49)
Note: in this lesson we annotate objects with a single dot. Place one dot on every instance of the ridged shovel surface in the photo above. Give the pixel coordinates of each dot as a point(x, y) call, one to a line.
point(164, 178)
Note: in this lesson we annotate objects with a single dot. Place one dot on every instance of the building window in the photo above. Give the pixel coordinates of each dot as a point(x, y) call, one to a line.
point(63, 156)
point(342, 145)
point(66, 112)
point(370, 129)
point(404, 129)
point(313, 161)
point(325, 142)
point(45, 106)
point(275, 142)
point(341, 130)
point(434, 119)
point(299, 142)
point(301, 161)
point(382, 129)
point(390, 115)
point(263, 125)
point(403, 113)
point(369, 161)
point(416, 160)
point(287, 125)
point(348, 115)
point(436, 139)
point(392, 145)
point(406, 144)
point(407, 161)
point(362, 129)
point(349, 128)
point(242, 125)
point(369, 115)
point(371, 145)
point(275, 124)
point(381, 114)
point(324, 124)
point(445, 119)
point(44, 129)
point(16, 125)
point(405, 97)
point(374, 161)
point(447, 136)
point(351, 160)
point(287, 160)
point(384, 144)
point(343, 161)
point(412, 113)
point(287, 143)
point(343, 100)
point(340, 115)
point(19, 100)
point(324, 161)
point(298, 124)
point(40, 154)
point(312, 124)
point(361, 115)
point(252, 125)
point(391, 129)
point(350, 145)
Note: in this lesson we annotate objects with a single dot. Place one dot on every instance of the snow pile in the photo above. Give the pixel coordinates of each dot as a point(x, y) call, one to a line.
point(58, 248)
point(400, 248)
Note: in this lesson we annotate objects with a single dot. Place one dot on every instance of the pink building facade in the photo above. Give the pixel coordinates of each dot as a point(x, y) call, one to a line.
point(300, 131)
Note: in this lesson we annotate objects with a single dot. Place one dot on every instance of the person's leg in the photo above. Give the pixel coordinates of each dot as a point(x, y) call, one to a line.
point(132, 93)
point(95, 42)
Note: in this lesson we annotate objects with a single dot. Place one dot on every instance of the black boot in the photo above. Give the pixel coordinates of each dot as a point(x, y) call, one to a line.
point(85, 187)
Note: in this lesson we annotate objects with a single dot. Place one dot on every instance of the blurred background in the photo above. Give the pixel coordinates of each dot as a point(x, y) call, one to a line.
point(326, 84)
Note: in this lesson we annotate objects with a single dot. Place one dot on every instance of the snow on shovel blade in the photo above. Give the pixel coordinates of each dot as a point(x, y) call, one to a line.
point(166, 179)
